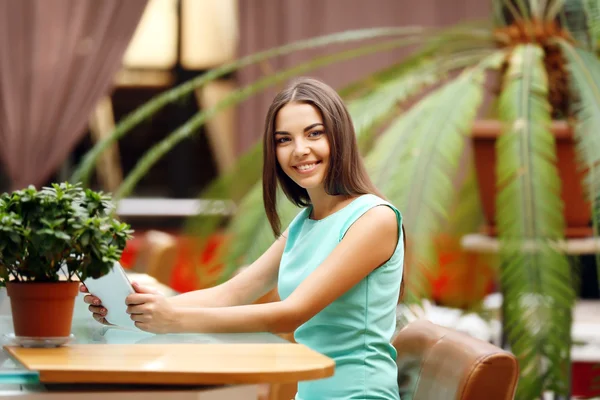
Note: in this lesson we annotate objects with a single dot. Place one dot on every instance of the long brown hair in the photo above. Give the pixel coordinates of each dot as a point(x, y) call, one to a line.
point(346, 174)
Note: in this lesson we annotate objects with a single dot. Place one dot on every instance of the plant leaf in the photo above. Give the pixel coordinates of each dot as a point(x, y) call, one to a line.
point(537, 8)
point(538, 290)
point(191, 126)
point(592, 9)
point(524, 11)
point(472, 35)
point(249, 229)
point(251, 232)
point(414, 75)
point(455, 49)
point(584, 68)
point(554, 8)
point(414, 161)
point(87, 165)
point(581, 18)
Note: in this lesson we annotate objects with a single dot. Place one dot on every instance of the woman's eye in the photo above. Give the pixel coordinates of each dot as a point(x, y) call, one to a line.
point(316, 133)
point(282, 140)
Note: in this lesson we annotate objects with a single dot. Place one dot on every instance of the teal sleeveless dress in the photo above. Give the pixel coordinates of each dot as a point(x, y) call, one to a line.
point(356, 329)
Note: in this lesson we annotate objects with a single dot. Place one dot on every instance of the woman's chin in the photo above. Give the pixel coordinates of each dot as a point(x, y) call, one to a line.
point(309, 183)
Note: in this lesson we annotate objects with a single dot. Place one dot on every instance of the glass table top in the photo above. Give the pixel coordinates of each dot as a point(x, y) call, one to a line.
point(87, 331)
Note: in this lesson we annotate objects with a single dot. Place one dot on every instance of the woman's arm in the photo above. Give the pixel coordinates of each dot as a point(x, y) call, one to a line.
point(244, 288)
point(369, 243)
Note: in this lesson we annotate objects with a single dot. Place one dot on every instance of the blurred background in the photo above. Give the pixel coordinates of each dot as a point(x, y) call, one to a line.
point(81, 82)
point(173, 42)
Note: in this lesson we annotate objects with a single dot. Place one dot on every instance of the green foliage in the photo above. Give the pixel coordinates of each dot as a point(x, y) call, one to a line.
point(592, 9)
point(84, 170)
point(584, 68)
point(378, 101)
point(538, 289)
point(582, 19)
point(63, 225)
point(414, 160)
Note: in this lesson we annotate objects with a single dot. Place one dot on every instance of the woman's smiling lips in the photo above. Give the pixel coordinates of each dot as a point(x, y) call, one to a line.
point(306, 168)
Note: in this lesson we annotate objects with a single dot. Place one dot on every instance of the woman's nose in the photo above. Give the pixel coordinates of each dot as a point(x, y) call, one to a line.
point(301, 148)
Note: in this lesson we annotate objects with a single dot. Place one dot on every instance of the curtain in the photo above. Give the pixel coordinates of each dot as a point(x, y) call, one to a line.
point(57, 59)
point(269, 23)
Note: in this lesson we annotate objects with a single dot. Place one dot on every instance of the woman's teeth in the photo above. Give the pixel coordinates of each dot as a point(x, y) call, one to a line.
point(306, 167)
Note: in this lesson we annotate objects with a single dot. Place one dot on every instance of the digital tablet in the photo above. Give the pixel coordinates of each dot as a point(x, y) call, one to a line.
point(112, 289)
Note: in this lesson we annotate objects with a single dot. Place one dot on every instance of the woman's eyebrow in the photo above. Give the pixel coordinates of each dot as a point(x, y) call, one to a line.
point(308, 128)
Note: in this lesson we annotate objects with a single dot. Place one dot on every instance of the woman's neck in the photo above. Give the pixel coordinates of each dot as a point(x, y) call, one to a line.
point(324, 204)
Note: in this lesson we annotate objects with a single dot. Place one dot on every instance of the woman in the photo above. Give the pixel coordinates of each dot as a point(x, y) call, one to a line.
point(338, 266)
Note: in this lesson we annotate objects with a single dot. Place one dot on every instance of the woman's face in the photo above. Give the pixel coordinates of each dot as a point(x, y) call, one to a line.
point(302, 147)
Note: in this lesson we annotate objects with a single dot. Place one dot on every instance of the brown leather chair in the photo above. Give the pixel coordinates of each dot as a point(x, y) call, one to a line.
point(437, 363)
point(448, 365)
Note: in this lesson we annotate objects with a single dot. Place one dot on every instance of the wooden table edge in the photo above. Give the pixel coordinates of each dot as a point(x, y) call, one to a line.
point(179, 378)
point(51, 376)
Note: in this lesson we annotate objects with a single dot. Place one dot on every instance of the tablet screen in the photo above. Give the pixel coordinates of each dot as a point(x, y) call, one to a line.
point(112, 289)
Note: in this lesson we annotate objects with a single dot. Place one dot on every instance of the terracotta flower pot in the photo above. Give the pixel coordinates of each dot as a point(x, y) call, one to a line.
point(42, 309)
point(576, 209)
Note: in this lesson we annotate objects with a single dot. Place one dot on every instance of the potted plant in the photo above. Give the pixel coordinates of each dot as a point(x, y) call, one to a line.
point(415, 122)
point(50, 240)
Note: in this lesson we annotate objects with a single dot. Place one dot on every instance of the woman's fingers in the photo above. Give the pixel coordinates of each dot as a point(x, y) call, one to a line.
point(135, 309)
point(89, 299)
point(97, 310)
point(83, 288)
point(99, 314)
point(139, 317)
point(101, 319)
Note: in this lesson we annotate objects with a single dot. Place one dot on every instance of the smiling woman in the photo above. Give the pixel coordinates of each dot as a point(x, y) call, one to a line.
point(338, 266)
point(306, 124)
point(302, 148)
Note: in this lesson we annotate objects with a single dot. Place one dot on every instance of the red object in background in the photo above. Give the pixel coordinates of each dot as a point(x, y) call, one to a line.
point(585, 378)
point(130, 253)
point(461, 278)
point(187, 274)
point(196, 271)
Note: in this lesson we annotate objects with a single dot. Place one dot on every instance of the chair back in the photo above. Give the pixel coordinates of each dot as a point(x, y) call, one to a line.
point(450, 365)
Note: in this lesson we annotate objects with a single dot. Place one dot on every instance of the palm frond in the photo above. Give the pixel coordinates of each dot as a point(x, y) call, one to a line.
point(524, 10)
point(251, 232)
point(249, 221)
point(385, 100)
point(413, 161)
point(250, 227)
point(537, 284)
point(244, 226)
point(370, 108)
point(584, 69)
point(498, 17)
point(465, 214)
point(471, 35)
point(592, 9)
point(538, 7)
point(232, 186)
point(579, 19)
point(193, 124)
point(454, 49)
point(86, 167)
point(512, 9)
point(554, 9)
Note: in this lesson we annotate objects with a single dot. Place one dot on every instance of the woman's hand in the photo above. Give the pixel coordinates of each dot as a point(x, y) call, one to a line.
point(98, 311)
point(151, 311)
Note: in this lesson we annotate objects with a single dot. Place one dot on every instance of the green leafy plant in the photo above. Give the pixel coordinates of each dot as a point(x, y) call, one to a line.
point(413, 121)
point(55, 227)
